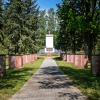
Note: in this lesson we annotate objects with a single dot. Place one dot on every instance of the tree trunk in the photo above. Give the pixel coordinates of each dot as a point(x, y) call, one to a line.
point(89, 52)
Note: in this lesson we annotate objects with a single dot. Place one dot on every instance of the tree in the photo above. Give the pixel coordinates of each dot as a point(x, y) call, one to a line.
point(42, 20)
point(65, 15)
point(80, 22)
point(89, 10)
point(3, 38)
point(21, 23)
point(42, 24)
point(1, 22)
point(31, 25)
point(14, 25)
point(50, 20)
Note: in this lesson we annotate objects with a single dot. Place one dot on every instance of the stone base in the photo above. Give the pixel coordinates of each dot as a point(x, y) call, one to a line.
point(49, 54)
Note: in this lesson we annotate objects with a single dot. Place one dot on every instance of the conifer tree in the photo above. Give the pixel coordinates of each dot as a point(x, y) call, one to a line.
point(1, 22)
point(51, 15)
point(31, 22)
point(14, 21)
point(42, 24)
point(21, 23)
point(2, 34)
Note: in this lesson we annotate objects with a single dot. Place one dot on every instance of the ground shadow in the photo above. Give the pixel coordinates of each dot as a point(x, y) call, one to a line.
point(13, 76)
point(55, 80)
point(57, 58)
point(51, 70)
point(72, 96)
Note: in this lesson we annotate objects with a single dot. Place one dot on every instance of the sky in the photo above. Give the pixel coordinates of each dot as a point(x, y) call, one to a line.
point(46, 4)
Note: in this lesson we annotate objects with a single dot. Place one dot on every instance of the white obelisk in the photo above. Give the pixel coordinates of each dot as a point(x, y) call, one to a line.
point(49, 43)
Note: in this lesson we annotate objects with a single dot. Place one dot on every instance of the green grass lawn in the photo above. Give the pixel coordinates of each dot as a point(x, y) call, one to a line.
point(16, 78)
point(82, 79)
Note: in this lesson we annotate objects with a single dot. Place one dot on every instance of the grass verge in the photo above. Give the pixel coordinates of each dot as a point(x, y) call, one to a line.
point(16, 78)
point(82, 79)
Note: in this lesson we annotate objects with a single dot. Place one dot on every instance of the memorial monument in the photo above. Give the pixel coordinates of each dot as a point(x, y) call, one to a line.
point(49, 43)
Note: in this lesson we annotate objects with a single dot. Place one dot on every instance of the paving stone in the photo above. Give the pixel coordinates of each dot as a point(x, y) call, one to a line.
point(48, 83)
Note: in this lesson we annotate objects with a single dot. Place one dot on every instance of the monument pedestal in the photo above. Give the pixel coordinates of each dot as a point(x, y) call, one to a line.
point(49, 54)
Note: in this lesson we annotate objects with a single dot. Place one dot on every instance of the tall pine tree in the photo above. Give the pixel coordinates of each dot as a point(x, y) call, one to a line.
point(2, 33)
point(31, 22)
point(21, 23)
point(1, 22)
point(15, 26)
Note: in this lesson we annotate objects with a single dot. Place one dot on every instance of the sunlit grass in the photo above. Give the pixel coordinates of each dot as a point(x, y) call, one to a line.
point(16, 78)
point(82, 79)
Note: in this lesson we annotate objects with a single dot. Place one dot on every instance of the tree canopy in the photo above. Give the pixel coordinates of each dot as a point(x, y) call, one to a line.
point(79, 24)
point(18, 26)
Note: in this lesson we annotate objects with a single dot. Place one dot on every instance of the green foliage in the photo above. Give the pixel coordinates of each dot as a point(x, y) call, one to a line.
point(97, 47)
point(18, 27)
point(50, 19)
point(23, 27)
point(79, 24)
point(2, 37)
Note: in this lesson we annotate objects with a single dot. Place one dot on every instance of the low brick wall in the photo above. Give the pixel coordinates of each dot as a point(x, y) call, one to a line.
point(25, 59)
point(70, 58)
point(81, 61)
point(15, 61)
point(78, 60)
